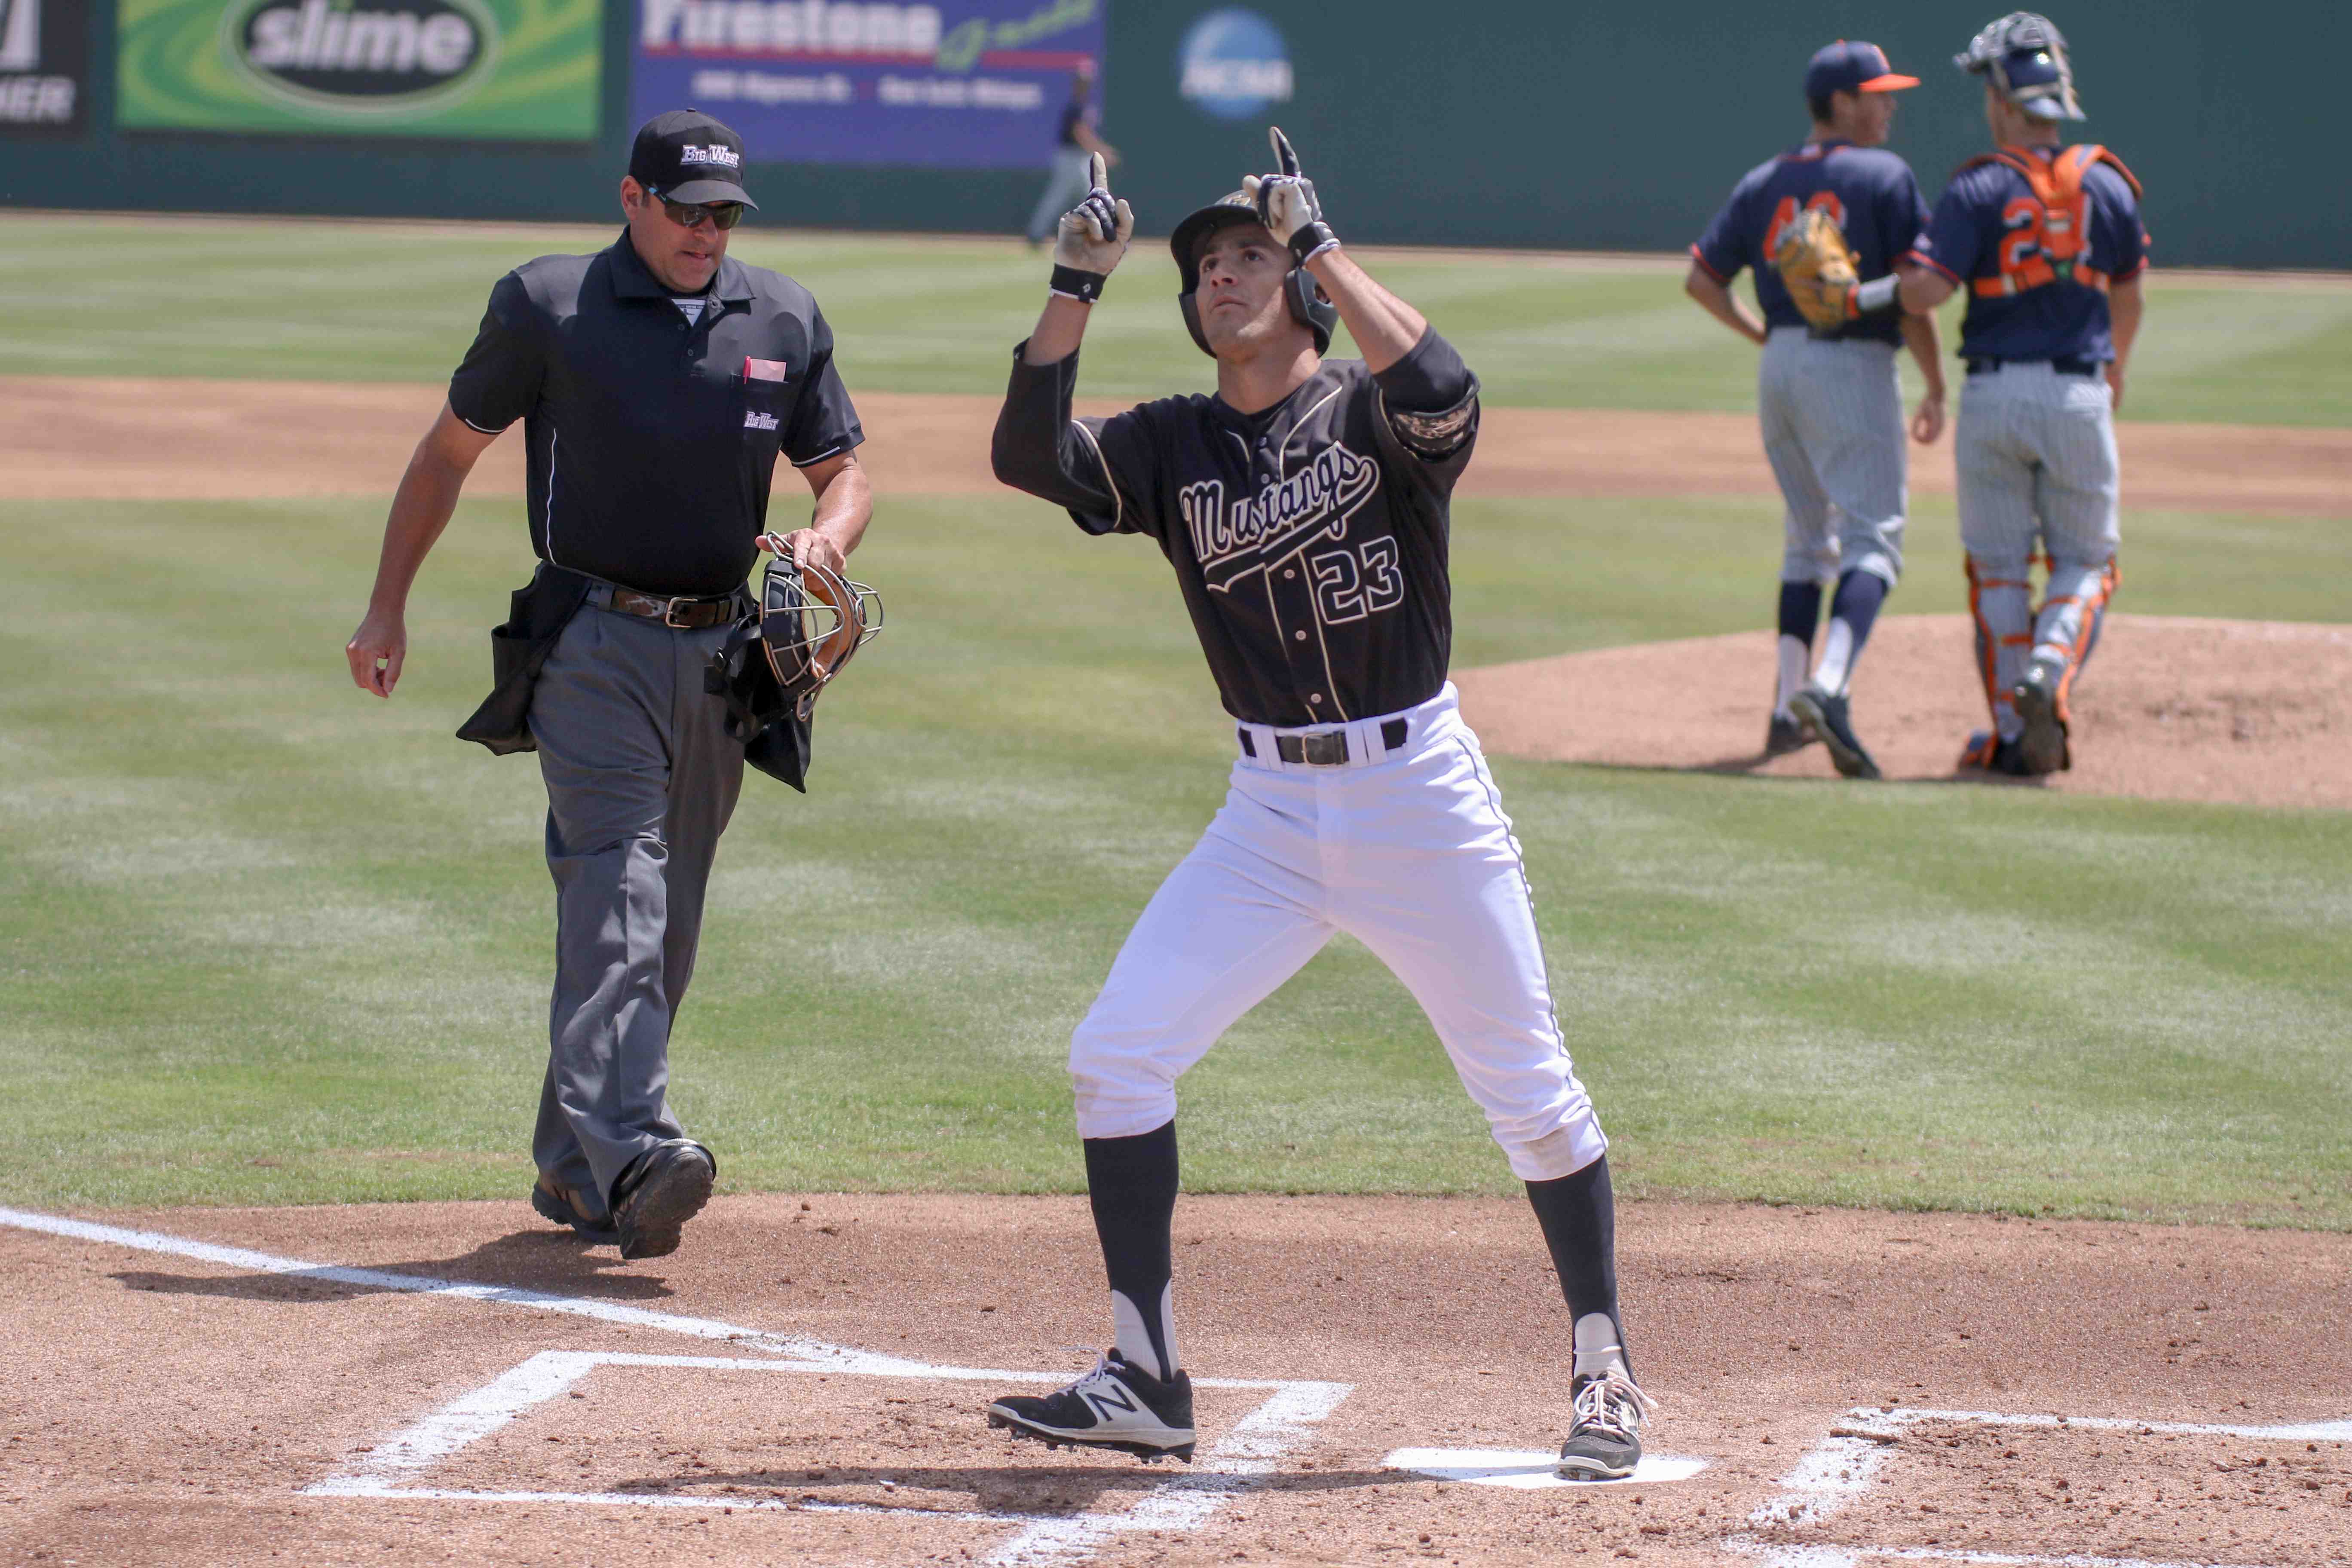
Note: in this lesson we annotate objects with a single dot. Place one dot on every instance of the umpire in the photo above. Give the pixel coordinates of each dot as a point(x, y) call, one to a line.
point(656, 381)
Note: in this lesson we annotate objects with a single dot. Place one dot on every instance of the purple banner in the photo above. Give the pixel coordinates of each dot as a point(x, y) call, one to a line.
point(962, 84)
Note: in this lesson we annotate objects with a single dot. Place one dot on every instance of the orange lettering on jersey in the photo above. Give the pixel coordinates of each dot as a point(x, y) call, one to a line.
point(1786, 214)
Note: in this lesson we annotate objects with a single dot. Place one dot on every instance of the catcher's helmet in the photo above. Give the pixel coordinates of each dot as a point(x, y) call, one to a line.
point(2025, 56)
point(1309, 308)
point(810, 620)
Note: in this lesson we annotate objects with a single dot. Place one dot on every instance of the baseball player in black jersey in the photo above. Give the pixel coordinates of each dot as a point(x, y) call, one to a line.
point(1305, 511)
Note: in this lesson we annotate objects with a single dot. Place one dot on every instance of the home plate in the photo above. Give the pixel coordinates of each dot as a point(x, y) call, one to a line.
point(1513, 1467)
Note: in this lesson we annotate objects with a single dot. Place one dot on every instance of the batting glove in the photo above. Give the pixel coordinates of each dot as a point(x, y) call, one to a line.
point(1286, 204)
point(1092, 238)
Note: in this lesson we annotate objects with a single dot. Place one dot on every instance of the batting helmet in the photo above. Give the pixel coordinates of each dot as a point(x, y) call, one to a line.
point(1309, 308)
point(2025, 56)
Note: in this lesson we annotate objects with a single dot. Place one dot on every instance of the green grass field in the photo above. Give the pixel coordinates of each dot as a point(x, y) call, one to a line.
point(264, 940)
point(381, 302)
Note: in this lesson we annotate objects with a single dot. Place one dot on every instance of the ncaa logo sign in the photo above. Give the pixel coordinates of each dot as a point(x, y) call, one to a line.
point(1233, 64)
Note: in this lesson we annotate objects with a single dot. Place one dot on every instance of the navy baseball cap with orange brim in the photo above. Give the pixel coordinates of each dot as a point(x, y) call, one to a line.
point(1850, 66)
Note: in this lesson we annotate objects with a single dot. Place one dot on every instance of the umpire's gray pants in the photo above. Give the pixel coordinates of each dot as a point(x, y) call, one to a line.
point(641, 779)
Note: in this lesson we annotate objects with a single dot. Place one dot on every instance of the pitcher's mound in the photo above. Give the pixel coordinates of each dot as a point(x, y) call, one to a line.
point(2171, 708)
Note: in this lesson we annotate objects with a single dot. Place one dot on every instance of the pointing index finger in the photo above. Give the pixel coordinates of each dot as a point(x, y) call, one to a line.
point(1285, 159)
point(1097, 172)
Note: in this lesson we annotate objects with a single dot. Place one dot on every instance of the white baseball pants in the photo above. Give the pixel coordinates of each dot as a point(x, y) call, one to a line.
point(1407, 850)
point(1831, 413)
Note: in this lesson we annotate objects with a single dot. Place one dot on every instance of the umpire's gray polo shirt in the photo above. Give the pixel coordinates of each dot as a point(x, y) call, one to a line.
point(652, 439)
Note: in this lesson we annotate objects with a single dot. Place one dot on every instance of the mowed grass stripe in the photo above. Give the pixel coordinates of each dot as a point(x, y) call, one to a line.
point(265, 939)
point(391, 302)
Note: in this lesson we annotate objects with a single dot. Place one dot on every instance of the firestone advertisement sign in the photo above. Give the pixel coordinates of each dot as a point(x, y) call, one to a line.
point(968, 84)
point(522, 70)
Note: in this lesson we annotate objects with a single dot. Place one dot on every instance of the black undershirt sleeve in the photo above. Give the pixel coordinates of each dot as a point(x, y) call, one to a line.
point(1099, 470)
point(1429, 410)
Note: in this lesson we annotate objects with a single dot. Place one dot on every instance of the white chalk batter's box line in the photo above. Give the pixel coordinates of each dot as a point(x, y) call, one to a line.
point(395, 1468)
point(1254, 1448)
point(1840, 1469)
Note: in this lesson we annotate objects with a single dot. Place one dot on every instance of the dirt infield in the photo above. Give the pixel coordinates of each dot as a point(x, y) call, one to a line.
point(1852, 1383)
point(94, 437)
point(2171, 708)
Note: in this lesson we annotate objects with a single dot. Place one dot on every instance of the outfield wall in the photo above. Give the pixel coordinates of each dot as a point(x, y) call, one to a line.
point(1514, 123)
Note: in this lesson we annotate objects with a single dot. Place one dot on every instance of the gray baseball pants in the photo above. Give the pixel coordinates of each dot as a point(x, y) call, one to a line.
point(2035, 451)
point(641, 780)
point(1831, 413)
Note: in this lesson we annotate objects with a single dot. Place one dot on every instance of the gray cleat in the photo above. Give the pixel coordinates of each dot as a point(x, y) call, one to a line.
point(1604, 1440)
point(2044, 744)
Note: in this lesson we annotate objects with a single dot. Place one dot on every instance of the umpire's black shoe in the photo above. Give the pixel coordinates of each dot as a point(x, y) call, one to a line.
point(1828, 721)
point(665, 1186)
point(563, 1205)
point(1605, 1439)
point(1118, 1405)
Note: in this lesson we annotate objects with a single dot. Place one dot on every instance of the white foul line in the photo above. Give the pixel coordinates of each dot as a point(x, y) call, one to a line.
point(1842, 1466)
point(1185, 1501)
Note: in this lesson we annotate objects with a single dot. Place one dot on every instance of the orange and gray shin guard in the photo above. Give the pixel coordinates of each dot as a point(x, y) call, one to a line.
point(2073, 610)
point(2000, 603)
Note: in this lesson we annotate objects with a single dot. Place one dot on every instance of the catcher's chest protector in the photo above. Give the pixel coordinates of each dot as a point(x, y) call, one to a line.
point(2048, 234)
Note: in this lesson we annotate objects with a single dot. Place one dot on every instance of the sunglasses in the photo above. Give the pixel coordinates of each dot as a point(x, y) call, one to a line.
point(723, 214)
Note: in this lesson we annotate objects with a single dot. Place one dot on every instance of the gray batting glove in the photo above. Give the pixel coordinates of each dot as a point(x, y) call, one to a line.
point(1092, 235)
point(1287, 206)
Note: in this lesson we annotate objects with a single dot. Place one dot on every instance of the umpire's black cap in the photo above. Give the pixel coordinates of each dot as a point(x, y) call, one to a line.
point(689, 157)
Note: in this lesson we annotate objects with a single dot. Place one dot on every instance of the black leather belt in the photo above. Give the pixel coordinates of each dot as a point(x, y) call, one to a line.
point(683, 613)
point(1329, 750)
point(1979, 366)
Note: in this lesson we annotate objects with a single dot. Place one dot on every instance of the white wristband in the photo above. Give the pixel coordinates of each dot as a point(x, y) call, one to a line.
point(1876, 295)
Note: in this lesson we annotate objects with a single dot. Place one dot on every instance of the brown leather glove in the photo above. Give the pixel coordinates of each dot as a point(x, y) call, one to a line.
point(1818, 268)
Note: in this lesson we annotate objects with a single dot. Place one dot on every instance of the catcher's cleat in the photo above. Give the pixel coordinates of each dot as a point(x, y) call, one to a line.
point(1993, 755)
point(563, 1205)
point(666, 1186)
point(1784, 735)
point(1117, 1405)
point(1827, 720)
point(2043, 744)
point(1604, 1440)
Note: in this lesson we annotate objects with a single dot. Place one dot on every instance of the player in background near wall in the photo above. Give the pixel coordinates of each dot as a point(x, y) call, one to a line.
point(1074, 144)
point(1828, 398)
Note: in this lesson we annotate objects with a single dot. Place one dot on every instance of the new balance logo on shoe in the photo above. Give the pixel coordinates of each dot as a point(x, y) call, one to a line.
point(1107, 1396)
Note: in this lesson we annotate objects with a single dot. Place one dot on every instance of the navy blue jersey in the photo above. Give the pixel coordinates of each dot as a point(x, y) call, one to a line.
point(1870, 192)
point(2037, 287)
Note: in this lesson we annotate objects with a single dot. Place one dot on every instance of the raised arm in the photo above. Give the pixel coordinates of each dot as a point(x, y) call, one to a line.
point(1092, 238)
point(420, 511)
point(1385, 328)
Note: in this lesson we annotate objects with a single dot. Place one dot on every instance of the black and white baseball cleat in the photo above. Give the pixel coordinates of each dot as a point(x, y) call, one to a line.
point(1117, 1405)
point(1604, 1437)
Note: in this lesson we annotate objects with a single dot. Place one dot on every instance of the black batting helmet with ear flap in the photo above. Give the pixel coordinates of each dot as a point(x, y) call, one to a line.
point(1308, 306)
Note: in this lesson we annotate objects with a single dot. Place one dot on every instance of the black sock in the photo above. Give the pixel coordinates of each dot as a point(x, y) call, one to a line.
point(1800, 610)
point(1132, 1184)
point(1859, 595)
point(1578, 1215)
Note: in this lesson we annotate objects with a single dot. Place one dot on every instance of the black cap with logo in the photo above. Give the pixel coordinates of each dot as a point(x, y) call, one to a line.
point(689, 157)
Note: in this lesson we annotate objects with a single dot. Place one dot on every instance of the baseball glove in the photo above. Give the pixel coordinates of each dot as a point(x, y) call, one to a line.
point(1818, 268)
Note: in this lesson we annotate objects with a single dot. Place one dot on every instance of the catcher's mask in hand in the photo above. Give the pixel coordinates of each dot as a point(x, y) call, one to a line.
point(812, 619)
